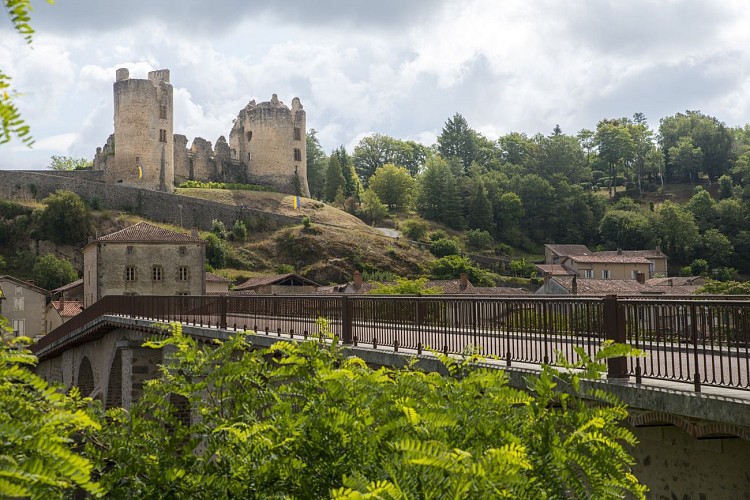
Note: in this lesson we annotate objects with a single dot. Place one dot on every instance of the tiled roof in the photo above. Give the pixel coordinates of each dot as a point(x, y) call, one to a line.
point(69, 286)
point(276, 279)
point(554, 269)
point(215, 278)
point(500, 291)
point(451, 287)
point(68, 308)
point(143, 232)
point(351, 288)
point(565, 250)
point(620, 287)
point(677, 281)
point(24, 283)
point(610, 259)
point(648, 254)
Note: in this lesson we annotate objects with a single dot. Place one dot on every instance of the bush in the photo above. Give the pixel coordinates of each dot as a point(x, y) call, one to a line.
point(239, 231)
point(306, 223)
point(597, 174)
point(438, 234)
point(451, 267)
point(217, 251)
point(284, 269)
point(445, 246)
point(219, 229)
point(414, 229)
point(51, 272)
point(65, 219)
point(478, 239)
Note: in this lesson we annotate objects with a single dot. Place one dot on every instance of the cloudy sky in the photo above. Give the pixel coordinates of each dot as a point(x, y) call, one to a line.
point(391, 66)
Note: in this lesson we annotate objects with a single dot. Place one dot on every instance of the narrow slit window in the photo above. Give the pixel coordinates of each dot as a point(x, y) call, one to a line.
point(297, 134)
point(297, 154)
point(162, 135)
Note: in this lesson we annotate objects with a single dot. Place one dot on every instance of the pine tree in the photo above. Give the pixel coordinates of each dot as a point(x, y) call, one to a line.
point(457, 140)
point(334, 178)
point(479, 213)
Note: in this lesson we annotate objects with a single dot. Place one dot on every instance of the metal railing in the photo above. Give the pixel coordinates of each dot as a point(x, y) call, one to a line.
point(702, 341)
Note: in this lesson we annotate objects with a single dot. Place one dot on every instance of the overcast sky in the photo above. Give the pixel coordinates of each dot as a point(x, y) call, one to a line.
point(396, 67)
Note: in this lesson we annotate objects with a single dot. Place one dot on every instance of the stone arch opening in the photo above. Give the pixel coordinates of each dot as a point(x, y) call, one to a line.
point(86, 378)
point(114, 386)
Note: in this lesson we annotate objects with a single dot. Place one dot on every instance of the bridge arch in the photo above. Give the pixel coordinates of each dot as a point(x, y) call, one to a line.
point(85, 379)
point(114, 385)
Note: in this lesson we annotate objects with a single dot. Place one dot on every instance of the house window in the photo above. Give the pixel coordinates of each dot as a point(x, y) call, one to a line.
point(18, 303)
point(634, 274)
point(163, 112)
point(297, 134)
point(19, 326)
point(130, 273)
point(162, 135)
point(588, 273)
point(156, 273)
point(184, 273)
point(130, 250)
point(605, 274)
point(183, 250)
point(297, 154)
point(19, 290)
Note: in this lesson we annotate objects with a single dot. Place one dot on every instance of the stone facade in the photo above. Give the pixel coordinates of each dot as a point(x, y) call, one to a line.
point(143, 260)
point(24, 306)
point(267, 143)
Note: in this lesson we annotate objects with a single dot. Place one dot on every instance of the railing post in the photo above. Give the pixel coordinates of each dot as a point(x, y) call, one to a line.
point(346, 319)
point(222, 312)
point(694, 326)
point(614, 328)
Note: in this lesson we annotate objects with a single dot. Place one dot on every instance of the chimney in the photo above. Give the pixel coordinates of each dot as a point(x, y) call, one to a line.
point(194, 232)
point(619, 251)
point(62, 302)
point(547, 275)
point(574, 285)
point(357, 279)
point(640, 278)
point(464, 281)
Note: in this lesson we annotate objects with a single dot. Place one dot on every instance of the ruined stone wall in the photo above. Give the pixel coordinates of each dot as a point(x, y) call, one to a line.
point(270, 138)
point(157, 206)
point(202, 158)
point(143, 117)
point(182, 171)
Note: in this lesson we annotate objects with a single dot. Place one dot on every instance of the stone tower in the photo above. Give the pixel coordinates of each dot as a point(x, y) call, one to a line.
point(144, 145)
point(269, 138)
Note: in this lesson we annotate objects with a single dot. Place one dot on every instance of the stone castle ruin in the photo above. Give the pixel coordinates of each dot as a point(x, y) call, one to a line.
point(266, 144)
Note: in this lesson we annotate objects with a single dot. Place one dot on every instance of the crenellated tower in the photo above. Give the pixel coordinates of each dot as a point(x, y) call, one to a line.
point(143, 139)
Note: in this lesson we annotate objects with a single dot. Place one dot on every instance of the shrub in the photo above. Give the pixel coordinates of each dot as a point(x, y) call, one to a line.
point(239, 231)
point(284, 269)
point(437, 235)
point(306, 223)
point(65, 219)
point(219, 229)
point(217, 251)
point(445, 246)
point(451, 267)
point(51, 272)
point(415, 229)
point(478, 239)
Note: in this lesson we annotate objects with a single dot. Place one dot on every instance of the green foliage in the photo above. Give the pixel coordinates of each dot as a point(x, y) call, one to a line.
point(37, 425)
point(66, 219)
point(303, 421)
point(217, 251)
point(284, 269)
point(306, 222)
point(404, 286)
point(239, 231)
point(414, 229)
point(725, 187)
point(478, 239)
point(458, 140)
point(334, 180)
point(377, 150)
point(219, 229)
point(445, 246)
point(714, 287)
point(715, 247)
point(438, 234)
point(317, 161)
point(372, 210)
point(51, 272)
point(522, 267)
point(393, 185)
point(451, 267)
point(629, 230)
point(438, 197)
point(62, 163)
point(234, 186)
point(699, 267)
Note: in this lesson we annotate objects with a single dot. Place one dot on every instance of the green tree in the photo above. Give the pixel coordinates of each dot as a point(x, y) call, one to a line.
point(38, 456)
point(317, 164)
point(478, 239)
point(715, 247)
point(561, 154)
point(725, 187)
point(62, 163)
point(352, 186)
point(438, 197)
point(479, 208)
point(65, 219)
point(239, 231)
point(616, 147)
point(51, 272)
point(334, 179)
point(404, 286)
point(686, 159)
point(677, 231)
point(509, 212)
point(415, 229)
point(457, 140)
point(450, 267)
point(445, 246)
point(393, 185)
point(217, 251)
point(627, 229)
point(703, 208)
point(373, 209)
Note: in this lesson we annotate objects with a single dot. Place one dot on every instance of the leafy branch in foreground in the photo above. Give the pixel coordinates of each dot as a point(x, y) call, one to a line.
point(302, 420)
point(37, 425)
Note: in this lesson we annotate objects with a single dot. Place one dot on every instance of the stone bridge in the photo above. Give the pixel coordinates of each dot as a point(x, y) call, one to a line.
point(692, 444)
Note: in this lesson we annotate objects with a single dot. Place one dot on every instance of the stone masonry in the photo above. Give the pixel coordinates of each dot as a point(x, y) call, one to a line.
point(266, 145)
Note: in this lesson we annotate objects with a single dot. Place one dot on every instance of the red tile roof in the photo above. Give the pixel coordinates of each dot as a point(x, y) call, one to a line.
point(451, 287)
point(610, 259)
point(69, 308)
point(555, 269)
point(276, 279)
point(143, 232)
point(648, 254)
point(565, 250)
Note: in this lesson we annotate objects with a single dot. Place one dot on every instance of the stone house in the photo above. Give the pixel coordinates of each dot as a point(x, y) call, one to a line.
point(24, 306)
point(578, 257)
point(60, 311)
point(144, 260)
point(71, 291)
point(607, 267)
point(216, 285)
